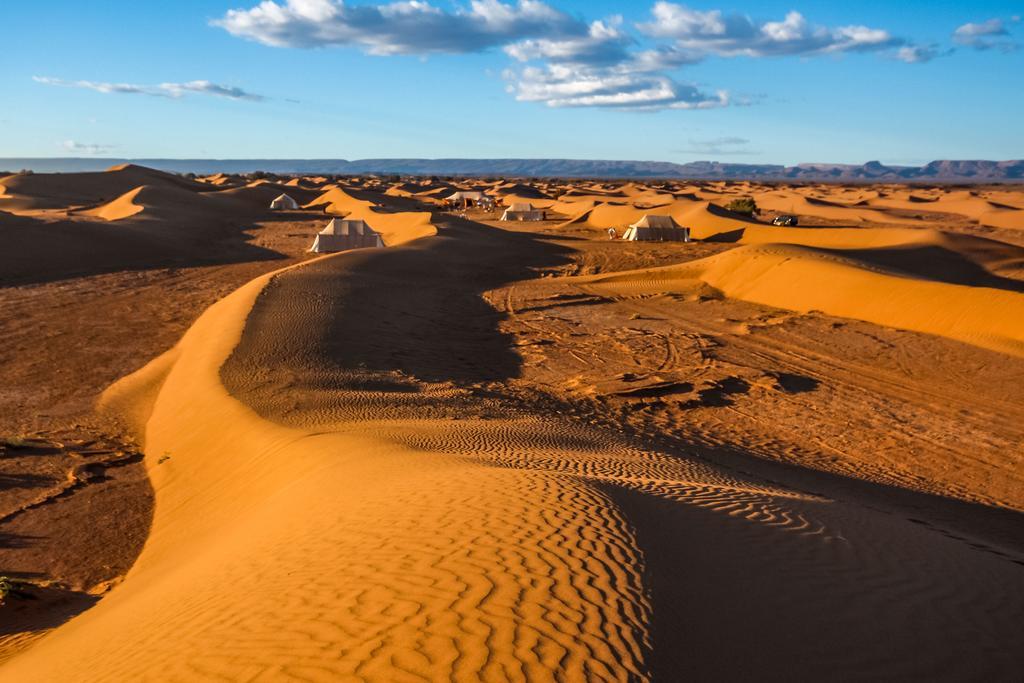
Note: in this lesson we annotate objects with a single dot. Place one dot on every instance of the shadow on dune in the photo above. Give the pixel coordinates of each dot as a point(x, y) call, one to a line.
point(726, 236)
point(39, 608)
point(752, 590)
point(933, 263)
point(10, 541)
point(34, 251)
point(23, 481)
point(798, 610)
point(415, 310)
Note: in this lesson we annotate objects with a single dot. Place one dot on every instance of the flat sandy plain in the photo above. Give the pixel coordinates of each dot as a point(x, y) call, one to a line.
point(509, 451)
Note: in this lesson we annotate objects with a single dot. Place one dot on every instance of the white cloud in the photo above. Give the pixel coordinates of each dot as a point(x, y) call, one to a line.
point(409, 27)
point(604, 43)
point(208, 88)
point(173, 90)
point(106, 88)
point(986, 35)
point(991, 27)
point(564, 61)
point(714, 33)
point(559, 85)
point(85, 148)
point(919, 54)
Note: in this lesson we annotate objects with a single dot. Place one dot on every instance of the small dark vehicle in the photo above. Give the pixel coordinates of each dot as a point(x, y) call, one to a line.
point(784, 220)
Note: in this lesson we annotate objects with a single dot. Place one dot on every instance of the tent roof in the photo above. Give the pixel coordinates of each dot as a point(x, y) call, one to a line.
point(339, 226)
point(465, 194)
point(649, 221)
point(521, 206)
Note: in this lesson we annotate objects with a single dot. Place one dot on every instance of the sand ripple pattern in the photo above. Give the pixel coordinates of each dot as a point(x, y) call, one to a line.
point(343, 493)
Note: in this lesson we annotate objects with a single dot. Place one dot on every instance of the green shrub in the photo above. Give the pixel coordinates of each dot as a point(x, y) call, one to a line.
point(745, 206)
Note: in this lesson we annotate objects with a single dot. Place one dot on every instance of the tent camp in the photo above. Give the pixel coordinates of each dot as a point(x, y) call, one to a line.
point(656, 229)
point(522, 211)
point(340, 235)
point(284, 203)
point(465, 198)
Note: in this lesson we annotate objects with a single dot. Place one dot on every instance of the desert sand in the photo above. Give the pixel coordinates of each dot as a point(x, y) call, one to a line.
point(496, 451)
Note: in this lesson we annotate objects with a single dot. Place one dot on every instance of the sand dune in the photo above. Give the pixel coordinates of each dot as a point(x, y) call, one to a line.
point(172, 204)
point(794, 203)
point(988, 211)
point(339, 202)
point(513, 589)
point(710, 221)
point(575, 209)
point(510, 199)
point(122, 207)
point(260, 193)
point(65, 190)
point(1011, 219)
point(704, 218)
point(803, 279)
point(524, 192)
point(448, 460)
point(148, 225)
point(222, 179)
point(338, 523)
point(396, 227)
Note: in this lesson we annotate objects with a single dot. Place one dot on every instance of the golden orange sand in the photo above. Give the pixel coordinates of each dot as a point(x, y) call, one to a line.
point(801, 279)
point(366, 537)
point(350, 520)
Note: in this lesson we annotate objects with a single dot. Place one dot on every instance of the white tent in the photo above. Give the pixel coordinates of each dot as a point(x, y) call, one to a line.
point(656, 229)
point(340, 235)
point(284, 202)
point(464, 198)
point(522, 211)
point(466, 195)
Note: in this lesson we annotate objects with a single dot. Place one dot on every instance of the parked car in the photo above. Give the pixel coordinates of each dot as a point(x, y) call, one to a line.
point(784, 220)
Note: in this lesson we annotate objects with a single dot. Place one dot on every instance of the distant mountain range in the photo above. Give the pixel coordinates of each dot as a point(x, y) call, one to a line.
point(974, 171)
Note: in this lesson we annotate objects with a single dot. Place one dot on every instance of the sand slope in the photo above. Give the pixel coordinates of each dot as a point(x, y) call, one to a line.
point(172, 204)
point(518, 582)
point(794, 203)
point(64, 190)
point(352, 528)
point(337, 201)
point(804, 279)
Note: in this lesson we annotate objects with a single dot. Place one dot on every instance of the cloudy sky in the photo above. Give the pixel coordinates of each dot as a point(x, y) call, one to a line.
point(748, 82)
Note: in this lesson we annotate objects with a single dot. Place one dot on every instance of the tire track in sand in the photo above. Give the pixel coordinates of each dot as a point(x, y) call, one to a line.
point(343, 501)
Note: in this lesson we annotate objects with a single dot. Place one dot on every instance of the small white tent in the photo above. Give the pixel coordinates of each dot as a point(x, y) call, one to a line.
point(656, 229)
point(340, 235)
point(284, 203)
point(522, 211)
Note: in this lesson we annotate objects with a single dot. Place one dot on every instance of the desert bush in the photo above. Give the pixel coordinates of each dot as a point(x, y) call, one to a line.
point(11, 588)
point(744, 205)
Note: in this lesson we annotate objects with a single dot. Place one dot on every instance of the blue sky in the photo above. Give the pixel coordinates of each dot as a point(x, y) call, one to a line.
point(764, 82)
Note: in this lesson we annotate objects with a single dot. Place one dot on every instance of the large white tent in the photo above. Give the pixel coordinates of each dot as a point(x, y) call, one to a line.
point(656, 229)
point(464, 198)
point(284, 202)
point(340, 235)
point(522, 211)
